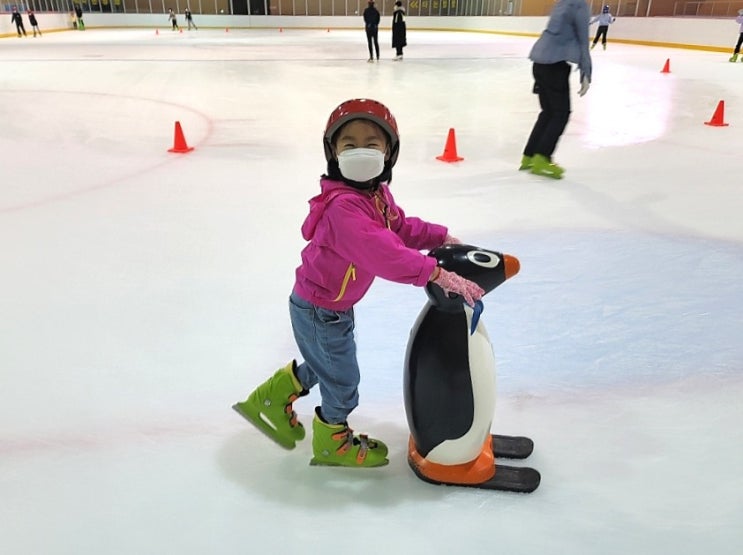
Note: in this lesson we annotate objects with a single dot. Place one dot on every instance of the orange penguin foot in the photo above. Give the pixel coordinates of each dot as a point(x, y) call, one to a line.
point(481, 472)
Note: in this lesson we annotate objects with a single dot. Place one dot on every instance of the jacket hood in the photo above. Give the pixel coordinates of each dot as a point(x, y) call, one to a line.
point(329, 190)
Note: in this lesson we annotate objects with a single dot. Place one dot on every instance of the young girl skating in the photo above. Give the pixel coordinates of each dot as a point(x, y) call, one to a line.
point(356, 232)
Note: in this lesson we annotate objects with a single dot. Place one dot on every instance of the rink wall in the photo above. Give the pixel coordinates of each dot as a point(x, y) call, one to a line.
point(678, 32)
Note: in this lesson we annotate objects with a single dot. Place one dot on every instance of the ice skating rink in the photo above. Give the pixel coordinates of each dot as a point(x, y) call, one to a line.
point(143, 292)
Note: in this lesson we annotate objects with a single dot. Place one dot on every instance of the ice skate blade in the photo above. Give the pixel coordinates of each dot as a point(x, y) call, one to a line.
point(316, 462)
point(256, 421)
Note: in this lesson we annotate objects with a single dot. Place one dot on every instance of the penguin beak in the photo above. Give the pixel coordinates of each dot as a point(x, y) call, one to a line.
point(512, 265)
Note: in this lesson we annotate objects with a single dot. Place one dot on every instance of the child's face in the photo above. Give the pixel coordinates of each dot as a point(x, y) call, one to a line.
point(361, 133)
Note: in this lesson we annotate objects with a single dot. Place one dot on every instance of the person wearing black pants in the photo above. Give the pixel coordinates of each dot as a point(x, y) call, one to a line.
point(564, 40)
point(551, 84)
point(604, 20)
point(371, 22)
point(16, 18)
point(738, 20)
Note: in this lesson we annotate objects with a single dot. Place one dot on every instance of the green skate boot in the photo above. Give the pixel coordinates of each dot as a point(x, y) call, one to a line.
point(269, 407)
point(734, 58)
point(526, 163)
point(542, 166)
point(335, 445)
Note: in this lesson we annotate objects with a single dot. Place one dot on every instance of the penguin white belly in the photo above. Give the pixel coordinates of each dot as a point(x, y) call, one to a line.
point(482, 372)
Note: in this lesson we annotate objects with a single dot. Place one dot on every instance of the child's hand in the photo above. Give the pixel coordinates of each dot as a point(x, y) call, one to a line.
point(454, 283)
point(449, 240)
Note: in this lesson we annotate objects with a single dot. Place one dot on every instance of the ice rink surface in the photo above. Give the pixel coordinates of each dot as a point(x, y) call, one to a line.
point(143, 292)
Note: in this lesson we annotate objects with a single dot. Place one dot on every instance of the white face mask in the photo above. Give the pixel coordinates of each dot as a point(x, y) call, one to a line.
point(361, 164)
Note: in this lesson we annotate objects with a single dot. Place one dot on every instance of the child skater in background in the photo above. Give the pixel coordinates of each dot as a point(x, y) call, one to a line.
point(356, 232)
point(738, 20)
point(34, 23)
point(604, 20)
point(173, 20)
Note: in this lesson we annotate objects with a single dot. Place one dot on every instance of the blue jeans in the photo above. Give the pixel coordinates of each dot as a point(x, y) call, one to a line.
point(326, 340)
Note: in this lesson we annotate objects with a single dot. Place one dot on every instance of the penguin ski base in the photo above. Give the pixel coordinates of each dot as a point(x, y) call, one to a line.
point(518, 479)
point(512, 447)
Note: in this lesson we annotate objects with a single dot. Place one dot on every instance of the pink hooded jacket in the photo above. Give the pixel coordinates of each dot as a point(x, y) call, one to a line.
point(356, 236)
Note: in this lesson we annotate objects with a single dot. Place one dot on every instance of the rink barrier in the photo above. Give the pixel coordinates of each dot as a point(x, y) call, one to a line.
point(710, 34)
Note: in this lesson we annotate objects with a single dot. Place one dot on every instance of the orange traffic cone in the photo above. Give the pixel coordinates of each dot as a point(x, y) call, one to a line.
point(718, 117)
point(667, 66)
point(179, 142)
point(450, 150)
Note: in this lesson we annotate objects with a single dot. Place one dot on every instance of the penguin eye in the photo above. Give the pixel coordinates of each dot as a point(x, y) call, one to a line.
point(483, 258)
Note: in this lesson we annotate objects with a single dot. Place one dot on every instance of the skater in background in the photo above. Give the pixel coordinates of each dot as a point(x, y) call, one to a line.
point(189, 20)
point(79, 17)
point(399, 31)
point(356, 232)
point(15, 17)
point(173, 20)
point(738, 20)
point(33, 22)
point(371, 23)
point(564, 40)
point(604, 19)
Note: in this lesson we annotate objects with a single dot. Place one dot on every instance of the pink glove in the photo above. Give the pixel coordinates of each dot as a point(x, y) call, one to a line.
point(449, 240)
point(454, 283)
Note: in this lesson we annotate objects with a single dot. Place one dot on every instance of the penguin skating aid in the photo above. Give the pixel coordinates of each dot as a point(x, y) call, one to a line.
point(450, 384)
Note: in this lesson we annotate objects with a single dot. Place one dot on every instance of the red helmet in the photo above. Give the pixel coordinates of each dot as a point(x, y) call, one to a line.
point(363, 108)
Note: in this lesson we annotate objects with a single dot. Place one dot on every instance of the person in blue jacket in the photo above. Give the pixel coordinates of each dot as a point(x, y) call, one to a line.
point(564, 41)
point(739, 21)
point(604, 19)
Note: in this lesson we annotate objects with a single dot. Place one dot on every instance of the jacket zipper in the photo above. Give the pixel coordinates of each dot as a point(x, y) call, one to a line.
point(350, 275)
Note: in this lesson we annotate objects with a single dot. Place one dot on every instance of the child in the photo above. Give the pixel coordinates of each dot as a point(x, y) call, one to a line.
point(356, 232)
point(564, 40)
point(33, 22)
point(604, 19)
point(738, 20)
point(173, 20)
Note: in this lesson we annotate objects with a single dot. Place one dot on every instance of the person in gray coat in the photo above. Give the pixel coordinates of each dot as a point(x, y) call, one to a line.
point(564, 41)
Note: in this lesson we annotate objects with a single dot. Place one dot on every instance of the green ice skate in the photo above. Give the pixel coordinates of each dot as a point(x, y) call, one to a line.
point(269, 407)
point(542, 166)
point(526, 163)
point(335, 445)
point(734, 58)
